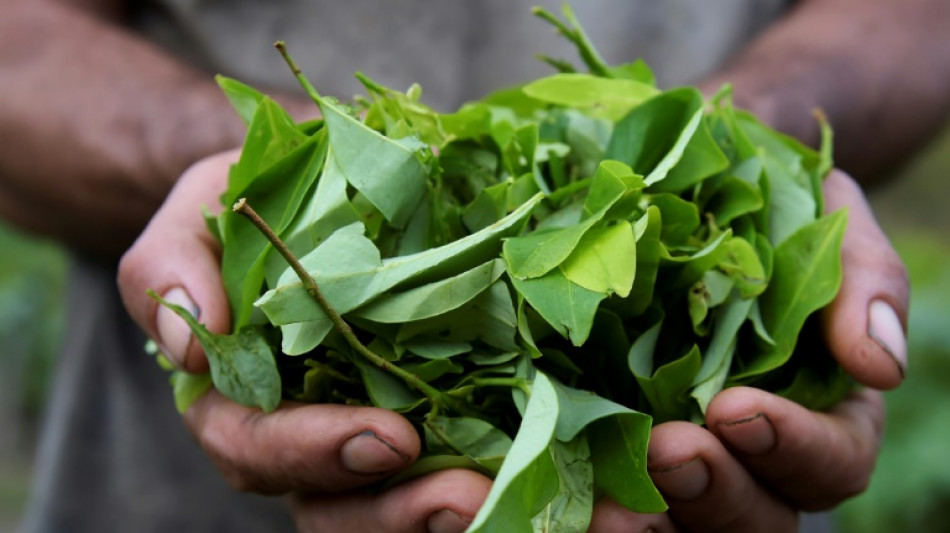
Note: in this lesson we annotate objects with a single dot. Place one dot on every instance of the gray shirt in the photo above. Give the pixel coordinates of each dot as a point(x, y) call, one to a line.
point(115, 455)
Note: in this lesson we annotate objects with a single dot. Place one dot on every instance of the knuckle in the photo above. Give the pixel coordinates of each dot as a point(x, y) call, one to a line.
point(228, 455)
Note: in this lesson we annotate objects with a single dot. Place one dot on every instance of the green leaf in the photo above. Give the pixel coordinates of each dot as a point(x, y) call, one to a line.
point(613, 178)
point(487, 208)
point(489, 317)
point(537, 253)
point(528, 478)
point(806, 277)
point(339, 265)
point(395, 108)
point(387, 172)
point(734, 197)
point(565, 305)
point(683, 271)
point(819, 389)
point(271, 136)
point(385, 390)
point(437, 348)
point(437, 463)
point(244, 98)
point(667, 389)
point(187, 388)
point(652, 137)
point(605, 260)
point(642, 351)
point(618, 450)
point(467, 436)
point(701, 159)
point(242, 364)
point(275, 194)
point(351, 283)
point(680, 218)
point(600, 97)
point(792, 205)
point(718, 357)
point(326, 209)
point(742, 264)
point(573, 505)
point(429, 371)
point(434, 298)
point(648, 230)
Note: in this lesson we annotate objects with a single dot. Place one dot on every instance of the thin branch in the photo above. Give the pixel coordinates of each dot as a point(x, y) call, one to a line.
point(304, 82)
point(433, 394)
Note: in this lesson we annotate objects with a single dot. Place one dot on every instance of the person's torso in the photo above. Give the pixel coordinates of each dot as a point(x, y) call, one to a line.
point(456, 50)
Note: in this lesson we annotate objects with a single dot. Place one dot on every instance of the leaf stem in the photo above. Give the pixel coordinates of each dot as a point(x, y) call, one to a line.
point(439, 434)
point(433, 394)
point(516, 383)
point(304, 82)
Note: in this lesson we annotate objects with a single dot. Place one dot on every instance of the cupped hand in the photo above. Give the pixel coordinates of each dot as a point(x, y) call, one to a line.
point(320, 456)
point(757, 463)
point(761, 459)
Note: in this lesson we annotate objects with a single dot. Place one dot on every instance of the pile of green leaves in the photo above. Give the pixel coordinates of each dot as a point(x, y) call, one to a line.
point(534, 279)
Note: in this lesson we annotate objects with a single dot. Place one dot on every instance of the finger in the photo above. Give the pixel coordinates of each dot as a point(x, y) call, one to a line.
point(815, 460)
point(327, 448)
point(177, 258)
point(706, 488)
point(865, 325)
point(443, 502)
point(610, 516)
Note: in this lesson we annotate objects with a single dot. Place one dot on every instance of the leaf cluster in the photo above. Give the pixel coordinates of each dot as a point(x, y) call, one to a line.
point(536, 278)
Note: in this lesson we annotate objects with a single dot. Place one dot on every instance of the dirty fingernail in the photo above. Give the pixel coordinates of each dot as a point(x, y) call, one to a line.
point(884, 326)
point(753, 435)
point(174, 334)
point(447, 521)
point(367, 453)
point(684, 481)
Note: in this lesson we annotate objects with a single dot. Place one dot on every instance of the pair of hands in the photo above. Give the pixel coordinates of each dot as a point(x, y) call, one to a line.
point(757, 463)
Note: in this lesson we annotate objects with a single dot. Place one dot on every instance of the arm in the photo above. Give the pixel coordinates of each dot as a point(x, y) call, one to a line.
point(878, 69)
point(97, 124)
point(738, 465)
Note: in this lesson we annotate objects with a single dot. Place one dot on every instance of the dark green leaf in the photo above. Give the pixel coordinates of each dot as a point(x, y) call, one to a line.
point(604, 97)
point(244, 98)
point(572, 506)
point(242, 364)
point(528, 478)
point(652, 137)
point(565, 305)
point(806, 276)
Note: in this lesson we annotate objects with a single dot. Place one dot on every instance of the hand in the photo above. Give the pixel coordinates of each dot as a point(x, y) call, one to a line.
point(762, 458)
point(319, 455)
point(739, 466)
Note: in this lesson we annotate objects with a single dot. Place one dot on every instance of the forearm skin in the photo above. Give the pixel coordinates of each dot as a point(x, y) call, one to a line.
point(879, 69)
point(96, 124)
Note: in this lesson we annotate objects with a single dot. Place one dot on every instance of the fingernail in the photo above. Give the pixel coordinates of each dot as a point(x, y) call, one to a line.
point(753, 435)
point(367, 453)
point(884, 326)
point(685, 481)
point(447, 521)
point(174, 334)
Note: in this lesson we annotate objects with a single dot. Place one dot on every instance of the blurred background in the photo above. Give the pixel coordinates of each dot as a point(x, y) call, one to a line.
point(910, 489)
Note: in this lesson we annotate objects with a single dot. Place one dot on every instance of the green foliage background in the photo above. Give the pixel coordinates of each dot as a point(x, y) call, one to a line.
point(910, 489)
point(32, 319)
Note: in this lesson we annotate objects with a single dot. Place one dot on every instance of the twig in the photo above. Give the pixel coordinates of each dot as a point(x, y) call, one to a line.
point(304, 82)
point(433, 394)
